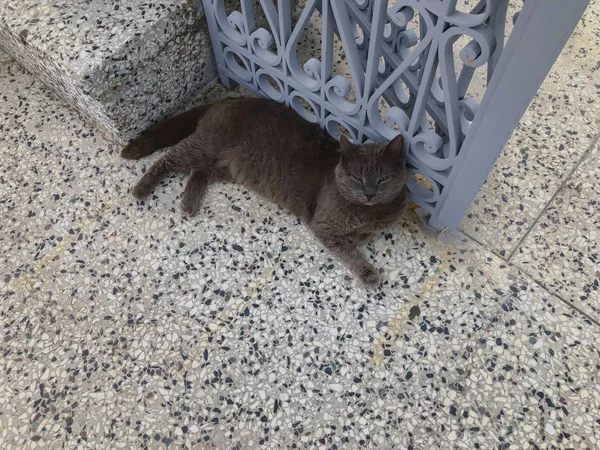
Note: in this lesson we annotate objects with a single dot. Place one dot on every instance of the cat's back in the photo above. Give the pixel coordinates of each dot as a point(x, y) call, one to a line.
point(271, 149)
point(255, 122)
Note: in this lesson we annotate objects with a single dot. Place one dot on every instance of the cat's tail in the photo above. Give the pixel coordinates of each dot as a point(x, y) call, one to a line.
point(166, 133)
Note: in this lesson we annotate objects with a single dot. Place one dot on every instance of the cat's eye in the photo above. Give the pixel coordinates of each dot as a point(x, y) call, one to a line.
point(382, 179)
point(356, 178)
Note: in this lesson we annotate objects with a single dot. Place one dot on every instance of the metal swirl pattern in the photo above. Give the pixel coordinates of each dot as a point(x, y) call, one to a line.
point(401, 54)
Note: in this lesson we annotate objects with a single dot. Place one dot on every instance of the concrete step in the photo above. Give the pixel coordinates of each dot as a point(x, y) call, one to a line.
point(122, 64)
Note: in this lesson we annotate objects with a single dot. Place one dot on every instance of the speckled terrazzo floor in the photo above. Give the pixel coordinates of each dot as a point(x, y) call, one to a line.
point(538, 208)
point(127, 326)
point(556, 131)
point(122, 64)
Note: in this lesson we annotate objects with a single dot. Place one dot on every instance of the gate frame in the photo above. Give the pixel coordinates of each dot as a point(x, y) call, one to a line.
point(457, 154)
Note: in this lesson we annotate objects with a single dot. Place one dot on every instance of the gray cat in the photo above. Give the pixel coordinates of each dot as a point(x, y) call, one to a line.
point(341, 191)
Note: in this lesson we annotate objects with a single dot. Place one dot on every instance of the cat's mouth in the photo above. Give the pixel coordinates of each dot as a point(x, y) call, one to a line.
point(369, 200)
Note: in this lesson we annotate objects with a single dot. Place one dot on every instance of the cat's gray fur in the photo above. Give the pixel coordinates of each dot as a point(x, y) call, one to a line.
point(342, 192)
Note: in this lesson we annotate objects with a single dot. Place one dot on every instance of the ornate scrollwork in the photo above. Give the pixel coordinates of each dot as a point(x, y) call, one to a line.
point(334, 126)
point(304, 106)
point(265, 84)
point(261, 41)
point(401, 54)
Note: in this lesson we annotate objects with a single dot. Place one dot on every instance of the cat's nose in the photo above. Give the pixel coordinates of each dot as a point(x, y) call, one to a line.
point(369, 196)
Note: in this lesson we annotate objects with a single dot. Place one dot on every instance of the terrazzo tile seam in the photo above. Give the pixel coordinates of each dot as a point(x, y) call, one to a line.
point(483, 245)
point(503, 305)
point(542, 285)
point(527, 274)
point(566, 180)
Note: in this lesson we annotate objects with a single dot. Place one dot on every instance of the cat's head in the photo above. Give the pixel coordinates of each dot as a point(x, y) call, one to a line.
point(371, 174)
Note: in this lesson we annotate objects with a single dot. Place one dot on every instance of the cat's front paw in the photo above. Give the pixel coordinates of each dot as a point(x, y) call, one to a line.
point(141, 190)
point(369, 276)
point(189, 206)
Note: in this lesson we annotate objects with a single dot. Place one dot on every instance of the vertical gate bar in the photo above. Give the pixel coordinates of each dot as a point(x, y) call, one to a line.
point(498, 25)
point(340, 12)
point(272, 16)
point(248, 14)
point(427, 72)
point(285, 22)
point(449, 88)
point(427, 76)
point(326, 52)
point(541, 31)
point(464, 80)
point(374, 53)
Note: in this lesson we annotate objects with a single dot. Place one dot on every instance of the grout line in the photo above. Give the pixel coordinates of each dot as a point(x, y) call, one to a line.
point(539, 283)
point(559, 190)
point(558, 297)
point(533, 278)
point(484, 245)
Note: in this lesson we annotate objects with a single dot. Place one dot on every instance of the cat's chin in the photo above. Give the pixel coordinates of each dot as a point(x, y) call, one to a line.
point(368, 202)
point(357, 201)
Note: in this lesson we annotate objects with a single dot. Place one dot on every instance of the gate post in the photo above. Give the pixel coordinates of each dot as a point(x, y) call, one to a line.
point(540, 33)
point(404, 75)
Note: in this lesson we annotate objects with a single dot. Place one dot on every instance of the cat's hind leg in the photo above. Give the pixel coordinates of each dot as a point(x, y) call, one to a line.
point(182, 157)
point(195, 188)
point(194, 193)
point(153, 176)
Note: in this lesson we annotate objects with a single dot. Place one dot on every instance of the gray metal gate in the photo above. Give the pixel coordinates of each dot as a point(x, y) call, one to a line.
point(410, 70)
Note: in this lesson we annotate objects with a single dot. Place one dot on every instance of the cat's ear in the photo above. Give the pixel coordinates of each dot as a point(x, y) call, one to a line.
point(346, 147)
point(395, 148)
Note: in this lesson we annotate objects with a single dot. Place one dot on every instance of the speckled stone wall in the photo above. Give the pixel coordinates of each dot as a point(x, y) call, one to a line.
point(121, 64)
